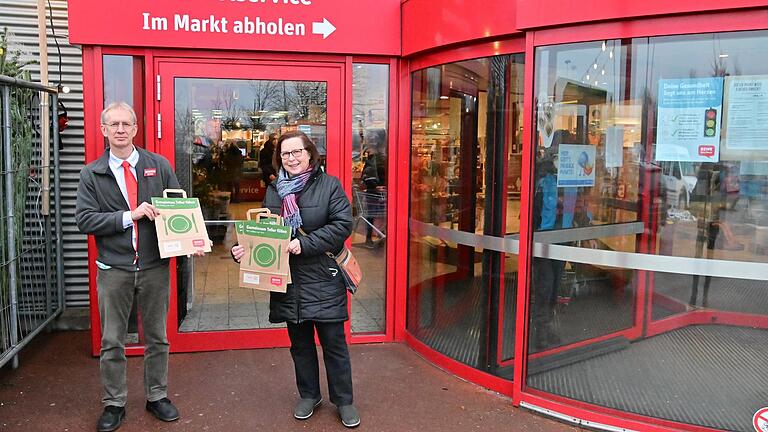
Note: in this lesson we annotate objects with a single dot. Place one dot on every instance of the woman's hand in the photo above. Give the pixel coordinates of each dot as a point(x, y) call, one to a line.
point(294, 247)
point(238, 252)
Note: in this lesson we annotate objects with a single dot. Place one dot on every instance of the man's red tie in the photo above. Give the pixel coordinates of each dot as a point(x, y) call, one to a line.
point(132, 187)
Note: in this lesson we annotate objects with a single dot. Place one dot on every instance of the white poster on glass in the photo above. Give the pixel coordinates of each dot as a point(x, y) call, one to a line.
point(688, 120)
point(746, 112)
point(614, 147)
point(575, 165)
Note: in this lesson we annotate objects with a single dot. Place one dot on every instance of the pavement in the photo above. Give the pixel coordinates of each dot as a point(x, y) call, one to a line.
point(56, 388)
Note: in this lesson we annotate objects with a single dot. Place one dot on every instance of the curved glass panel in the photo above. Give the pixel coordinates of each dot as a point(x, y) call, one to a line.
point(462, 284)
point(649, 268)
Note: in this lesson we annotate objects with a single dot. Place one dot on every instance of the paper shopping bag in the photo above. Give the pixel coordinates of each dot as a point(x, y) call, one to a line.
point(265, 263)
point(180, 226)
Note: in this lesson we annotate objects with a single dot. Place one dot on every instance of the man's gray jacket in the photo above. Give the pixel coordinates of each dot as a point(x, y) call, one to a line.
point(100, 208)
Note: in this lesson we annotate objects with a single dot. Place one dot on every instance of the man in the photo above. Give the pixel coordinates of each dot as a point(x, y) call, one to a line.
point(112, 205)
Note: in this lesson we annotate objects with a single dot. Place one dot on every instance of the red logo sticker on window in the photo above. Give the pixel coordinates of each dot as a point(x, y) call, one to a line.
point(707, 150)
point(198, 242)
point(276, 281)
point(760, 420)
point(150, 172)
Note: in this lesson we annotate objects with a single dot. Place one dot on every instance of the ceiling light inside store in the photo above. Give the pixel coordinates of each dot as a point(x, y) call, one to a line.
point(594, 66)
point(443, 97)
point(723, 55)
point(587, 76)
point(603, 47)
point(610, 54)
point(602, 72)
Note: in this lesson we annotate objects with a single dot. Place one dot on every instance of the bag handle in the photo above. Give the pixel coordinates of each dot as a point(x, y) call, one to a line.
point(178, 191)
point(258, 212)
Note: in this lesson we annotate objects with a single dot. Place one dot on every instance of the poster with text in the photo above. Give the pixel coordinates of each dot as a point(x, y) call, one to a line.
point(688, 120)
point(746, 115)
point(575, 165)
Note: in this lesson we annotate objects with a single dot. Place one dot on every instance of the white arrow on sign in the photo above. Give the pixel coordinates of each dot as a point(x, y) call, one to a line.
point(324, 28)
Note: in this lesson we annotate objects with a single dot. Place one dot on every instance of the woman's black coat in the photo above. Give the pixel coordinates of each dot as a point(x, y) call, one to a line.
point(317, 292)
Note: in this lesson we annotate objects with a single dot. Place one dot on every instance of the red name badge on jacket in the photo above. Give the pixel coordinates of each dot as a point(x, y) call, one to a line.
point(150, 172)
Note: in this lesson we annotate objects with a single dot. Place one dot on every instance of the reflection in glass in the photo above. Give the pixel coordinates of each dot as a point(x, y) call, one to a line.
point(610, 177)
point(225, 131)
point(461, 297)
point(124, 82)
point(370, 107)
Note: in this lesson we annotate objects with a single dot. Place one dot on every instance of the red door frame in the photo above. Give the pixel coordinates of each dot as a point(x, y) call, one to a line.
point(395, 188)
point(651, 27)
point(170, 68)
point(336, 68)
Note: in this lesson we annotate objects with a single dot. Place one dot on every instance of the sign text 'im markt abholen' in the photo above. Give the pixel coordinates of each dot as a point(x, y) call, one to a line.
point(328, 26)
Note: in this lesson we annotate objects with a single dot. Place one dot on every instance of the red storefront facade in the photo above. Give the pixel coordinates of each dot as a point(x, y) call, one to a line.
point(468, 92)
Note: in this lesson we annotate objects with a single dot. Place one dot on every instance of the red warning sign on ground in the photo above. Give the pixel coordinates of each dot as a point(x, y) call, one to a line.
point(760, 420)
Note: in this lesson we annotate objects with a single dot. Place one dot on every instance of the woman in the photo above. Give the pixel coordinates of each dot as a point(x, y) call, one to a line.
point(309, 199)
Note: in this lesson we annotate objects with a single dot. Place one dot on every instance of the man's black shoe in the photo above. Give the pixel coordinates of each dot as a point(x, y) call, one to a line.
point(163, 409)
point(111, 418)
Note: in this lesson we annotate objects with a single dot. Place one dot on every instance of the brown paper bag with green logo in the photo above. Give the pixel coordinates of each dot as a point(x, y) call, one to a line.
point(180, 226)
point(265, 263)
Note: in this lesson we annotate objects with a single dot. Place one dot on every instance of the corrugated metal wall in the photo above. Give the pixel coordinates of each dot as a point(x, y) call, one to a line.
point(20, 17)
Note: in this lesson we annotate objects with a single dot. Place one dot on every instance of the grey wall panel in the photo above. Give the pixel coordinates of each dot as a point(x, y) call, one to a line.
point(20, 17)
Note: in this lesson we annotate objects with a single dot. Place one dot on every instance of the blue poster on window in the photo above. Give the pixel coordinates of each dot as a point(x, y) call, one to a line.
point(688, 120)
point(575, 165)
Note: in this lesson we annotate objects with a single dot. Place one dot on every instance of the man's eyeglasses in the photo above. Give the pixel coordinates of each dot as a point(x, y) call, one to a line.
point(296, 153)
point(116, 125)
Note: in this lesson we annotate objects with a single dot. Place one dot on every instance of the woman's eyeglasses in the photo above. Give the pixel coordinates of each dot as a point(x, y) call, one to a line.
point(295, 153)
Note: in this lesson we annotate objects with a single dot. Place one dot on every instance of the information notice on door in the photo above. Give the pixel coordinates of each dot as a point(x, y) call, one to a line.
point(688, 119)
point(746, 101)
point(327, 26)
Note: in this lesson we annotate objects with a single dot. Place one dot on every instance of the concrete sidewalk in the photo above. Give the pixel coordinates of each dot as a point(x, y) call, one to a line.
point(56, 388)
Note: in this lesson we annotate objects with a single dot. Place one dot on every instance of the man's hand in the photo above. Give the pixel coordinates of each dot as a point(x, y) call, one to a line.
point(146, 210)
point(238, 252)
point(294, 247)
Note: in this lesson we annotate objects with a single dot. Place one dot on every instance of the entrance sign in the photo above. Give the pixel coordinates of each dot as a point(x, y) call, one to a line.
point(688, 119)
point(327, 26)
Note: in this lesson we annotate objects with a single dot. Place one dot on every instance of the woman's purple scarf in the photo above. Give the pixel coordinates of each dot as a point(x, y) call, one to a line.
point(287, 188)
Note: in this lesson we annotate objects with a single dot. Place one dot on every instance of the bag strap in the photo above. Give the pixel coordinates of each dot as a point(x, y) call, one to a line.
point(304, 233)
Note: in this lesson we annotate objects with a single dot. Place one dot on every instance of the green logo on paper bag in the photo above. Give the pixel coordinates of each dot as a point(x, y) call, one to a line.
point(179, 224)
point(264, 255)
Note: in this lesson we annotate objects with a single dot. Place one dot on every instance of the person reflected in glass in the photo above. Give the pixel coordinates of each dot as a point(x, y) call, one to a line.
point(266, 156)
point(233, 169)
point(315, 206)
point(547, 273)
point(373, 194)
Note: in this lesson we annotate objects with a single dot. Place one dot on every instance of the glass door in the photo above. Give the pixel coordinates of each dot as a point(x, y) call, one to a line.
point(218, 125)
